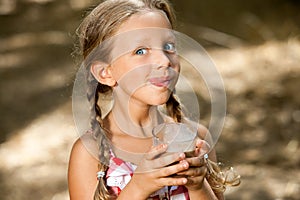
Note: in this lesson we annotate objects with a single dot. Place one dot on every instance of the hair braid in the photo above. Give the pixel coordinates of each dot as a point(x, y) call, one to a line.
point(99, 134)
point(174, 109)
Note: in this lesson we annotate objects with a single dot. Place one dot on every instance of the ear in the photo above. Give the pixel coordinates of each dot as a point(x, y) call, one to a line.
point(101, 71)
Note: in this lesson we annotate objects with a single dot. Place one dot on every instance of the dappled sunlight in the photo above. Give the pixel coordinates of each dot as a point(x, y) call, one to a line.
point(249, 66)
point(38, 140)
point(37, 157)
point(7, 6)
point(262, 127)
point(25, 40)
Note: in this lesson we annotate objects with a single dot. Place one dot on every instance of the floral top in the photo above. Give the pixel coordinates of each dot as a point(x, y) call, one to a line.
point(120, 172)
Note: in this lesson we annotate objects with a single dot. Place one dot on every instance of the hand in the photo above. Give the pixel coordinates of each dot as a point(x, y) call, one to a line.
point(154, 171)
point(197, 170)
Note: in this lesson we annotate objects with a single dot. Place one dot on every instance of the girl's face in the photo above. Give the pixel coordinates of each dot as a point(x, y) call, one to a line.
point(144, 59)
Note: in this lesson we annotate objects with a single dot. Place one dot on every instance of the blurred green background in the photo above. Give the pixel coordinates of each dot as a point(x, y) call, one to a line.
point(255, 45)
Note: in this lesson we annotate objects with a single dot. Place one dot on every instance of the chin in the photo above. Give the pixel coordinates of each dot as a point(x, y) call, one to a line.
point(159, 100)
point(153, 97)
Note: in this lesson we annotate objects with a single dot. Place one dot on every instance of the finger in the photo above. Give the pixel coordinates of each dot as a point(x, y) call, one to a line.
point(173, 169)
point(170, 181)
point(202, 147)
point(196, 161)
point(156, 151)
point(190, 154)
point(167, 159)
point(194, 172)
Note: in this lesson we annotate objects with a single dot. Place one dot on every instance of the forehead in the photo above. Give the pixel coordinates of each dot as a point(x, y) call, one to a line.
point(145, 19)
point(146, 28)
point(144, 36)
point(154, 38)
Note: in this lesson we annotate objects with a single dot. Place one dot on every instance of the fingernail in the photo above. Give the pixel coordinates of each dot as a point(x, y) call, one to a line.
point(199, 142)
point(184, 164)
point(182, 155)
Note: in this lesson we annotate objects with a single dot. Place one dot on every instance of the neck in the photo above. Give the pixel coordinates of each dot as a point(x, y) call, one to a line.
point(133, 118)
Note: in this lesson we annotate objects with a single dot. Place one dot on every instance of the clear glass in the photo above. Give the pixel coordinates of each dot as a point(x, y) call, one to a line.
point(179, 137)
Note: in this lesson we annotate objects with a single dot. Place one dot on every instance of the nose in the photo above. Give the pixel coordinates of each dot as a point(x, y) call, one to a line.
point(161, 59)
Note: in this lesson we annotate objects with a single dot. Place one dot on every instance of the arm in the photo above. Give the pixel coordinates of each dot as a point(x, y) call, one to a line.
point(204, 193)
point(82, 181)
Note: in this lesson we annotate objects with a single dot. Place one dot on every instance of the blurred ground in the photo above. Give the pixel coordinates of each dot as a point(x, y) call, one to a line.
point(255, 45)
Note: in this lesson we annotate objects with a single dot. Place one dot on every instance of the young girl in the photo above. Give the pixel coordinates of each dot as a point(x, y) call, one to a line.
point(124, 43)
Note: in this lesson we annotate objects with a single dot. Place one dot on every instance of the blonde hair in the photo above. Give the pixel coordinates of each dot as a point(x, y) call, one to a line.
point(102, 23)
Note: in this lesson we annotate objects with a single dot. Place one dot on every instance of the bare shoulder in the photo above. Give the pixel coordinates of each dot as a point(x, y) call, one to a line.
point(80, 153)
point(82, 171)
point(85, 146)
point(203, 132)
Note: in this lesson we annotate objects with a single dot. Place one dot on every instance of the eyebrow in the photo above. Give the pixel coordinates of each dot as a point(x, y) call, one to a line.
point(168, 37)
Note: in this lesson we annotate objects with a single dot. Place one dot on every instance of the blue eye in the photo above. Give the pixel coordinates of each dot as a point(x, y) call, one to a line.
point(141, 51)
point(170, 47)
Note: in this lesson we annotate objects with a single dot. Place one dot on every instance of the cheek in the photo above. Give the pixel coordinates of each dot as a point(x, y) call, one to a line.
point(118, 69)
point(116, 73)
point(175, 63)
point(133, 79)
point(125, 67)
point(177, 68)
